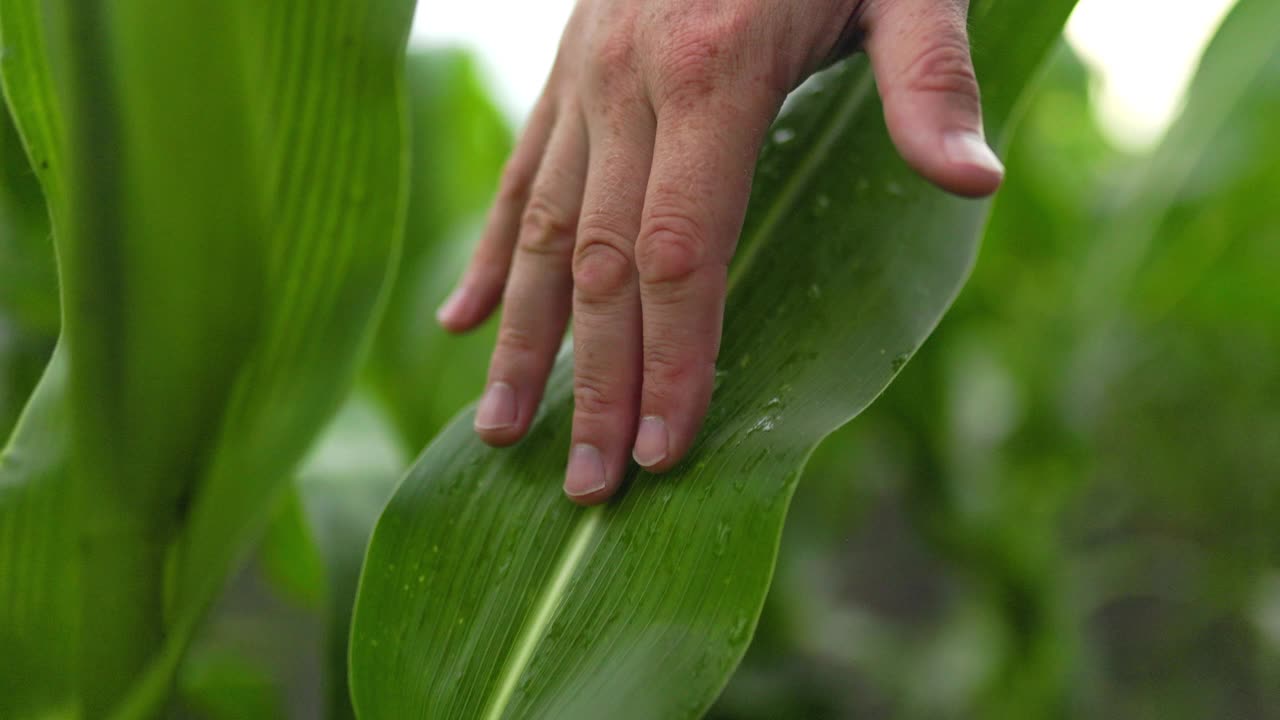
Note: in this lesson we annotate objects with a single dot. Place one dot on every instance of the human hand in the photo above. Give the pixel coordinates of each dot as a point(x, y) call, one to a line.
point(624, 198)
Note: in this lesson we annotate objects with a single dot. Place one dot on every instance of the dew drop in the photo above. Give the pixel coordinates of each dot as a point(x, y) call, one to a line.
point(719, 379)
point(814, 292)
point(900, 360)
point(723, 532)
point(783, 135)
point(707, 487)
point(894, 189)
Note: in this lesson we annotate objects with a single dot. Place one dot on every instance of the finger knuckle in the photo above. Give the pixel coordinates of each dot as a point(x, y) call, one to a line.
point(602, 267)
point(612, 77)
point(671, 248)
point(513, 344)
point(672, 372)
point(943, 67)
point(691, 64)
point(616, 53)
point(546, 229)
point(591, 396)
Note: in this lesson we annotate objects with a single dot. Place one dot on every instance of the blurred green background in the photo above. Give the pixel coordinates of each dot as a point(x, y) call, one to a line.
point(1068, 504)
point(1065, 506)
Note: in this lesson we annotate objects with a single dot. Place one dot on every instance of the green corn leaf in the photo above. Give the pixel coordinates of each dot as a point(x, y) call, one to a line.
point(485, 594)
point(225, 189)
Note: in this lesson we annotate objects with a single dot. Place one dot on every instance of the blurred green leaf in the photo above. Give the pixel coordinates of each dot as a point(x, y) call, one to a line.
point(420, 373)
point(226, 686)
point(314, 547)
point(486, 594)
point(28, 277)
point(288, 614)
point(218, 286)
point(343, 486)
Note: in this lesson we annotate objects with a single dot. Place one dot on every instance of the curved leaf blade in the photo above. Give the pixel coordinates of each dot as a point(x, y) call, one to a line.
point(486, 594)
point(226, 191)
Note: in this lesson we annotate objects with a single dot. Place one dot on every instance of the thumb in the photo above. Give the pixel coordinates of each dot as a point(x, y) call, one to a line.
point(919, 50)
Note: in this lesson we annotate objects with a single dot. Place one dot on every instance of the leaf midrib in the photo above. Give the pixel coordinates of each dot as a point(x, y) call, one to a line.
point(799, 179)
point(586, 529)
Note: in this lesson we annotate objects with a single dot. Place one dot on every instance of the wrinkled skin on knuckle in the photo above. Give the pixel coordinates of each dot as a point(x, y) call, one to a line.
point(671, 248)
point(699, 46)
point(513, 345)
point(672, 377)
point(615, 52)
point(602, 269)
point(590, 398)
point(611, 62)
point(943, 66)
point(546, 229)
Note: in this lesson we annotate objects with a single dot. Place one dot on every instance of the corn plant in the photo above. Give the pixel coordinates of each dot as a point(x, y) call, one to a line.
point(227, 191)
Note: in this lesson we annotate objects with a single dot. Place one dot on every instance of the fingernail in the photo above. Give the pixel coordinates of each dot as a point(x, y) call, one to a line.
point(651, 442)
point(497, 408)
point(969, 148)
point(450, 307)
point(585, 474)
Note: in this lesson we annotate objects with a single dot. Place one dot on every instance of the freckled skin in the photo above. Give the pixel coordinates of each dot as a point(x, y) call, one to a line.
point(622, 202)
